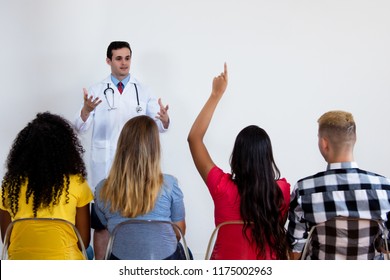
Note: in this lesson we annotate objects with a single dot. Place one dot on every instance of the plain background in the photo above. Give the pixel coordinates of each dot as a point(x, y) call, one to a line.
point(289, 62)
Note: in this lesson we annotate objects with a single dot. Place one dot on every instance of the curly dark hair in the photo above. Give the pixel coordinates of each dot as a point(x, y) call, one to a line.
point(43, 155)
point(254, 171)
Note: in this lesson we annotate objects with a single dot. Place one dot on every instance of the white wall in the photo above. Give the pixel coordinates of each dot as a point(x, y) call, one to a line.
point(289, 62)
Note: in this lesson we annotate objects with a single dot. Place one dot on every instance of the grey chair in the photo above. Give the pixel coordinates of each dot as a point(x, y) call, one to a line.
point(146, 240)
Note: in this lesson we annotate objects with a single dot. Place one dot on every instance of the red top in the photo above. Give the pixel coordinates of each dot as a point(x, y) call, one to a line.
point(226, 208)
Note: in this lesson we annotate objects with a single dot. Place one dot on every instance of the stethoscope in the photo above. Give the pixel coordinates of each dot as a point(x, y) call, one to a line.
point(109, 89)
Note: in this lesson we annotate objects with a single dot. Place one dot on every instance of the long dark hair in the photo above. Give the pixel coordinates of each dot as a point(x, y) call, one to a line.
point(255, 173)
point(43, 155)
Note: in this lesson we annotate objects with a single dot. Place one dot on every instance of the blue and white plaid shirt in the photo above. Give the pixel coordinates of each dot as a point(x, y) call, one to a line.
point(342, 190)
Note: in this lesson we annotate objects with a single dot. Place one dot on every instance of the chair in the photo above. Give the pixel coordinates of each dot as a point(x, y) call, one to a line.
point(42, 239)
point(236, 246)
point(145, 240)
point(357, 238)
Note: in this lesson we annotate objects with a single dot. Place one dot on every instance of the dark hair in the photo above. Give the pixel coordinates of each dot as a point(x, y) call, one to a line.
point(43, 155)
point(116, 45)
point(254, 171)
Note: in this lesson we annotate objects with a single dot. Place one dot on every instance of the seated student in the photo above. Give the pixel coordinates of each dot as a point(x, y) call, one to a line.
point(46, 178)
point(136, 188)
point(341, 190)
point(253, 191)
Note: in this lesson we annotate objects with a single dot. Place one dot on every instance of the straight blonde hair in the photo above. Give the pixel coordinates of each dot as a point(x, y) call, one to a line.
point(135, 178)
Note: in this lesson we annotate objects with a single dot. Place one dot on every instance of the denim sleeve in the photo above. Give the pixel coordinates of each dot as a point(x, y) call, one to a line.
point(177, 206)
point(99, 205)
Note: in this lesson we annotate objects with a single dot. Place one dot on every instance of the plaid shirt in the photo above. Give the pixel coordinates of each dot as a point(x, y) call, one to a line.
point(342, 190)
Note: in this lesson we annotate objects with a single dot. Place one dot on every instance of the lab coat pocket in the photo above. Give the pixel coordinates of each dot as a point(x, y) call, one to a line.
point(100, 151)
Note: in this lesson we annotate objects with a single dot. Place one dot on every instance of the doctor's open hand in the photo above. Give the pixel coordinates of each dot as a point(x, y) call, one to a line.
point(90, 103)
point(163, 114)
point(220, 83)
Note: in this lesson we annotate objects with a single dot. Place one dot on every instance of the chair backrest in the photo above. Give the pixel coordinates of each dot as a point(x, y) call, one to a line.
point(43, 239)
point(343, 238)
point(146, 240)
point(227, 241)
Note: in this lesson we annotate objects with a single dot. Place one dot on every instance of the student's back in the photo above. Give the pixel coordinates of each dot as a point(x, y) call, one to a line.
point(45, 177)
point(136, 187)
point(343, 189)
point(253, 192)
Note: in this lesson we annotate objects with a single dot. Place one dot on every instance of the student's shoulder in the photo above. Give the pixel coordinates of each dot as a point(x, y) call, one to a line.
point(312, 177)
point(375, 176)
point(169, 179)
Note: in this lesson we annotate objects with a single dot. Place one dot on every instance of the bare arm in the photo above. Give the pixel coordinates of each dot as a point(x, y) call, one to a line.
point(182, 226)
point(294, 255)
point(83, 223)
point(5, 220)
point(199, 152)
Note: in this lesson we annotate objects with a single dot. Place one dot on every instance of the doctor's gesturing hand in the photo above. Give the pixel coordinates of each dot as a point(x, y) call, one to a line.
point(90, 104)
point(163, 114)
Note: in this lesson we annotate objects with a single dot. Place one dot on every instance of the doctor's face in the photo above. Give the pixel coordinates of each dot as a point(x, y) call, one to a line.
point(120, 63)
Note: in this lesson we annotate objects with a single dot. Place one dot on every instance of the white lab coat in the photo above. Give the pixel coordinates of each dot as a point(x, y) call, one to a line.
point(107, 124)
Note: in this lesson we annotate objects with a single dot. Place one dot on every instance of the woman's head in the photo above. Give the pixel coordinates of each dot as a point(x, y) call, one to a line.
point(135, 177)
point(252, 152)
point(254, 171)
point(140, 140)
point(43, 154)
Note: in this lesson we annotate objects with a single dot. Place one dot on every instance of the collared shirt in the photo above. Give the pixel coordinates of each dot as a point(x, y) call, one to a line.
point(124, 81)
point(342, 190)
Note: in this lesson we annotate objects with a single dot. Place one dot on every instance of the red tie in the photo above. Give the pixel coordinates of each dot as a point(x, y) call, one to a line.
point(120, 87)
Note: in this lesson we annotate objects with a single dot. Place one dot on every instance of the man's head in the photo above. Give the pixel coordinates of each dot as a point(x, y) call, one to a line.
point(116, 45)
point(119, 58)
point(336, 136)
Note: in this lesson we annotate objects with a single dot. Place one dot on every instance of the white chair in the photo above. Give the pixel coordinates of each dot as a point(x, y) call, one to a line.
point(357, 238)
point(42, 239)
point(145, 240)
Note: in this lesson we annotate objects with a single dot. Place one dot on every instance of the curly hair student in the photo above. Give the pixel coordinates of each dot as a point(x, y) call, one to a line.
point(46, 178)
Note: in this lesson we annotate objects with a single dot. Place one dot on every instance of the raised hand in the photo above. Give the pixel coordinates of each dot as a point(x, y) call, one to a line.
point(220, 82)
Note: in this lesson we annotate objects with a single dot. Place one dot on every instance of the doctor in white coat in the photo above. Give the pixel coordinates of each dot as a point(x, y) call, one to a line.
point(107, 106)
point(106, 110)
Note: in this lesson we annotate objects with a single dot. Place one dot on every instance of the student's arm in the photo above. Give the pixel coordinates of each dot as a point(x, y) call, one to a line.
point(83, 223)
point(182, 226)
point(295, 255)
point(199, 152)
point(5, 220)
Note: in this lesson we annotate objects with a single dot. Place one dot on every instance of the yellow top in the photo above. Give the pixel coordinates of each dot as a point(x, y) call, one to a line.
point(60, 245)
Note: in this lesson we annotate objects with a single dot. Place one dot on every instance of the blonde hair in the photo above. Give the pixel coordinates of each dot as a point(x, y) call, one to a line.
point(339, 127)
point(135, 177)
